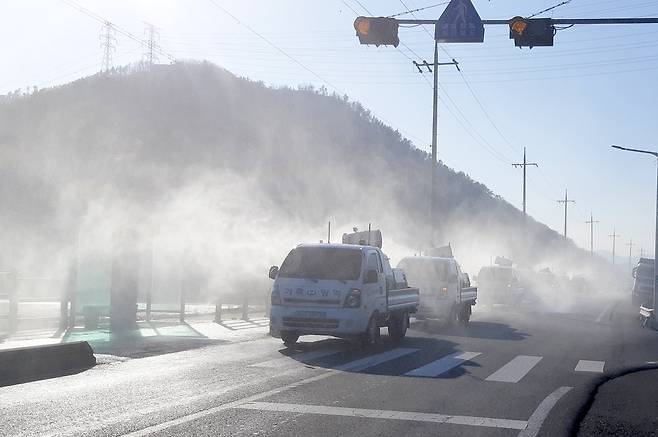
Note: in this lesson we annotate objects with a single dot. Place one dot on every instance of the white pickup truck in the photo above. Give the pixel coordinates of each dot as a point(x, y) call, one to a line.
point(342, 290)
point(445, 291)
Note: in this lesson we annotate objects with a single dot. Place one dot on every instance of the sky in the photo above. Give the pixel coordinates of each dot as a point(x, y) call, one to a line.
point(566, 104)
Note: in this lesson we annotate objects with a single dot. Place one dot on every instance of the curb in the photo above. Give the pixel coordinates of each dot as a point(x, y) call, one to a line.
point(26, 364)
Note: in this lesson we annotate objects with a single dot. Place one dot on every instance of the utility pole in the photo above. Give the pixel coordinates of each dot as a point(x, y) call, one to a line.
point(524, 165)
point(630, 255)
point(614, 237)
point(435, 123)
point(566, 203)
point(108, 44)
point(591, 233)
point(152, 35)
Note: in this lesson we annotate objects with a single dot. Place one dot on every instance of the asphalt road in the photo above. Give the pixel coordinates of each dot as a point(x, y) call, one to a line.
point(510, 372)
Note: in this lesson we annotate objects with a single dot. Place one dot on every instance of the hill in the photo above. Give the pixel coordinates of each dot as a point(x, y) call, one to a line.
point(229, 174)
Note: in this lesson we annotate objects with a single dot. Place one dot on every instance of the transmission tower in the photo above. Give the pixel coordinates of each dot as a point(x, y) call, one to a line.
point(108, 44)
point(151, 36)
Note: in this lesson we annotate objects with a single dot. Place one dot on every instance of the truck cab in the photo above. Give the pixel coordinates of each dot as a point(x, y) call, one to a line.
point(342, 290)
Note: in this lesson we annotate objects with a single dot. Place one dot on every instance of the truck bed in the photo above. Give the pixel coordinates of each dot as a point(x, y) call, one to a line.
point(403, 298)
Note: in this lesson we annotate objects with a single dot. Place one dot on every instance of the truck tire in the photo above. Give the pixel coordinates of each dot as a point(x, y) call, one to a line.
point(464, 314)
point(397, 326)
point(289, 338)
point(372, 334)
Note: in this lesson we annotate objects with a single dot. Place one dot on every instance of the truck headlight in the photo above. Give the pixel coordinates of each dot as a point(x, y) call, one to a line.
point(353, 299)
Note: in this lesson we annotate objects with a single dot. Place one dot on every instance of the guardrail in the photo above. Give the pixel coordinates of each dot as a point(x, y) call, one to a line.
point(646, 314)
point(18, 312)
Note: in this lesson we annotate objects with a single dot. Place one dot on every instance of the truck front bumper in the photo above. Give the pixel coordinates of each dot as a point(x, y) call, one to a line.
point(337, 322)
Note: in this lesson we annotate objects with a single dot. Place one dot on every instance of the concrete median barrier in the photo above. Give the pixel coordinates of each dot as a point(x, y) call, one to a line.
point(40, 362)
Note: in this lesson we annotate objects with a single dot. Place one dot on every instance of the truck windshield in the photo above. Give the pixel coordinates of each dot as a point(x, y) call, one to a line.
point(322, 263)
point(425, 269)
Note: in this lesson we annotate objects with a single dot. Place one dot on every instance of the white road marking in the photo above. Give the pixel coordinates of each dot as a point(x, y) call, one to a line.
point(371, 361)
point(296, 358)
point(590, 366)
point(541, 413)
point(99, 424)
point(386, 414)
point(442, 365)
point(154, 429)
point(515, 370)
point(353, 366)
point(605, 310)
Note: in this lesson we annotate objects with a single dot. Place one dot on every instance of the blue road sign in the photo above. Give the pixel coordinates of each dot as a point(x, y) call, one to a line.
point(460, 22)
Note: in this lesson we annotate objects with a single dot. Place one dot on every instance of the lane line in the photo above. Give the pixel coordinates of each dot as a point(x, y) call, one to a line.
point(298, 358)
point(605, 310)
point(436, 368)
point(230, 405)
point(515, 370)
point(590, 366)
point(541, 413)
point(357, 365)
point(374, 360)
point(488, 422)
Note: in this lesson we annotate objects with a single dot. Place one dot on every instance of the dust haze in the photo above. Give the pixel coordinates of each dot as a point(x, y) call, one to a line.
point(212, 178)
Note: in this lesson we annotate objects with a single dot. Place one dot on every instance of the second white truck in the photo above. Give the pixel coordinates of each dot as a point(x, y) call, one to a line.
point(445, 291)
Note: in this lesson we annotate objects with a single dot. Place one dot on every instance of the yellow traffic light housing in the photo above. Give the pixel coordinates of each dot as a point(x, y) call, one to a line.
point(377, 31)
point(531, 32)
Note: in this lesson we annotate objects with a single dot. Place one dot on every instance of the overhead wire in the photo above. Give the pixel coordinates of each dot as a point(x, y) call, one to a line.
point(117, 29)
point(296, 61)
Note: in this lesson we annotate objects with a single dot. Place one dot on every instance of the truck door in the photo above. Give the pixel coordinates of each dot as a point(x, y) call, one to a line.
point(375, 292)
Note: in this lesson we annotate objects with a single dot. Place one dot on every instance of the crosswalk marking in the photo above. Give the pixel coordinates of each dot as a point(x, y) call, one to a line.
point(299, 357)
point(515, 370)
point(371, 361)
point(436, 368)
point(590, 366)
point(489, 422)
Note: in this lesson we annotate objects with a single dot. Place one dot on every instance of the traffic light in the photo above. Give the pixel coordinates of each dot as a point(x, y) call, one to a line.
point(531, 32)
point(377, 31)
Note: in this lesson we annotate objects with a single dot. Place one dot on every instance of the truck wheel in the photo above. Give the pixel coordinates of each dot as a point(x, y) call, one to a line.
point(372, 335)
point(289, 338)
point(465, 314)
point(397, 326)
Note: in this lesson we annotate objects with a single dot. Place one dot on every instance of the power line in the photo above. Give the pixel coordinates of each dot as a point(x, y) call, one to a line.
point(293, 59)
point(116, 28)
point(524, 165)
point(591, 235)
point(408, 11)
point(566, 203)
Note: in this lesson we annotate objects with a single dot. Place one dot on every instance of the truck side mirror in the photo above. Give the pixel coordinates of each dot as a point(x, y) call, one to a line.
point(371, 277)
point(274, 270)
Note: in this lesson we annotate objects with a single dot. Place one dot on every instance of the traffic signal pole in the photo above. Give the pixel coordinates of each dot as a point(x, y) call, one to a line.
point(558, 21)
